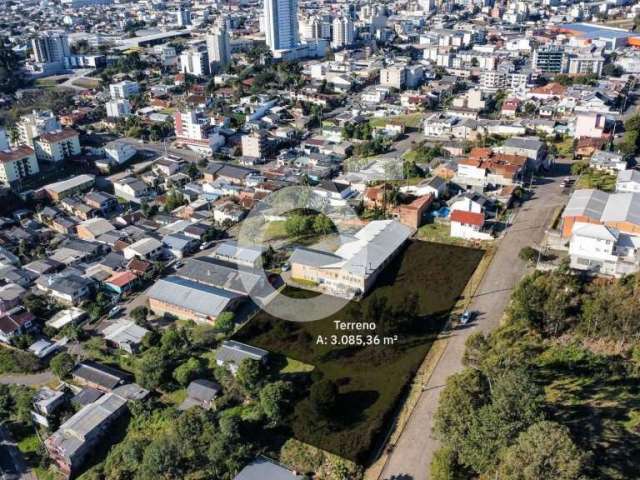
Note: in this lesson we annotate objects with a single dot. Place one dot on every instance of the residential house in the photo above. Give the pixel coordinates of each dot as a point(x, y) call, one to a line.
point(132, 189)
point(121, 282)
point(412, 215)
point(179, 244)
point(232, 353)
point(532, 148)
point(245, 255)
point(145, 249)
point(468, 225)
point(600, 249)
point(69, 289)
point(67, 188)
point(119, 151)
point(14, 323)
point(10, 297)
point(201, 393)
point(93, 228)
point(263, 468)
point(98, 376)
point(608, 162)
point(125, 335)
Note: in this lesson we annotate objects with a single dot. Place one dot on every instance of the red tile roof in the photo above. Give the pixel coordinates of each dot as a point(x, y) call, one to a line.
point(15, 154)
point(467, 218)
point(121, 279)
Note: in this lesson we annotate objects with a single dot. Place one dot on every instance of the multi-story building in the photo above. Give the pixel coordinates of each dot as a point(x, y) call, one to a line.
point(119, 108)
point(17, 164)
point(35, 124)
point(281, 24)
point(195, 62)
point(549, 59)
point(195, 130)
point(343, 32)
point(51, 51)
point(183, 17)
point(57, 146)
point(124, 89)
point(254, 145)
point(4, 142)
point(218, 47)
point(394, 76)
point(586, 63)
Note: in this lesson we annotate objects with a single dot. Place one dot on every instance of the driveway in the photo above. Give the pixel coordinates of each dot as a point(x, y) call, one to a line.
point(411, 456)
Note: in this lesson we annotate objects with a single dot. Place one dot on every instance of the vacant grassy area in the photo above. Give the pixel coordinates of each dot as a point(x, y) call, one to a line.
point(597, 179)
point(595, 397)
point(87, 82)
point(411, 120)
point(371, 379)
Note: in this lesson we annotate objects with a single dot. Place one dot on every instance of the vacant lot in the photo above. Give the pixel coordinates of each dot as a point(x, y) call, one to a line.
point(371, 379)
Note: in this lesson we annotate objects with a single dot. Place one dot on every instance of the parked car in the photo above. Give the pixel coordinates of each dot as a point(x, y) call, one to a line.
point(115, 311)
point(466, 317)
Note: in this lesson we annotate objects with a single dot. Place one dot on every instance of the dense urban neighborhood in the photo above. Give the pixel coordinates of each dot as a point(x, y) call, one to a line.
point(334, 240)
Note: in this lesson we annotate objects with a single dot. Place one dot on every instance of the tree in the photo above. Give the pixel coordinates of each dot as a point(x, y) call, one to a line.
point(322, 224)
point(249, 375)
point(150, 368)
point(445, 465)
point(161, 459)
point(275, 400)
point(139, 314)
point(187, 371)
point(192, 171)
point(10, 76)
point(544, 450)
point(225, 322)
point(631, 140)
point(323, 396)
point(62, 365)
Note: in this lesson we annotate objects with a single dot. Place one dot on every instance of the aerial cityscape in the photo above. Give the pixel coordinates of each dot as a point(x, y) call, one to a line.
point(319, 240)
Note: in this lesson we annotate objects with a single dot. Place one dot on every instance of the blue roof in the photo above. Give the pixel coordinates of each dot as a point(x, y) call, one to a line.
point(590, 30)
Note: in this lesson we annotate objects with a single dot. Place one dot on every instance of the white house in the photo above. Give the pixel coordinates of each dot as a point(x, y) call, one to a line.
point(119, 151)
point(468, 225)
point(145, 249)
point(608, 161)
point(603, 250)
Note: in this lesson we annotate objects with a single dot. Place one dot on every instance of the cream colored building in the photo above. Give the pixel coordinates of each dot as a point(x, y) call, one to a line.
point(58, 146)
point(17, 164)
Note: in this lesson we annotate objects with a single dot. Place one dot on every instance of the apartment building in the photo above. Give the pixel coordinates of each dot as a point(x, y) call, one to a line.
point(58, 145)
point(124, 89)
point(17, 164)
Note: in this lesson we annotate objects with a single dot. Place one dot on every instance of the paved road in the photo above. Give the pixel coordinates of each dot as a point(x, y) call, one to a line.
point(412, 454)
point(12, 465)
point(27, 379)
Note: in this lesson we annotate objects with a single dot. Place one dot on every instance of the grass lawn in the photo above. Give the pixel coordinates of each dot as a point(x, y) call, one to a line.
point(411, 120)
point(598, 400)
point(596, 179)
point(439, 233)
point(175, 398)
point(371, 379)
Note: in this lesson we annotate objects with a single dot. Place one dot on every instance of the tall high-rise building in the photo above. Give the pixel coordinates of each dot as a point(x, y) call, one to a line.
point(195, 62)
point(343, 32)
point(281, 24)
point(218, 46)
point(183, 17)
point(4, 142)
point(51, 47)
point(35, 124)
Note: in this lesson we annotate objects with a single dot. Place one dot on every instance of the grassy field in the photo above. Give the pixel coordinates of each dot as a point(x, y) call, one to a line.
point(371, 379)
point(595, 396)
point(411, 120)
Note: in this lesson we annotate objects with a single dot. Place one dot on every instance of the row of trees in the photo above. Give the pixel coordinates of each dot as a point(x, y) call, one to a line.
point(492, 422)
point(557, 302)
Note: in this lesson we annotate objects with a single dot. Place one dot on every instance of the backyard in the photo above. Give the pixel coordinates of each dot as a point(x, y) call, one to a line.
point(370, 379)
